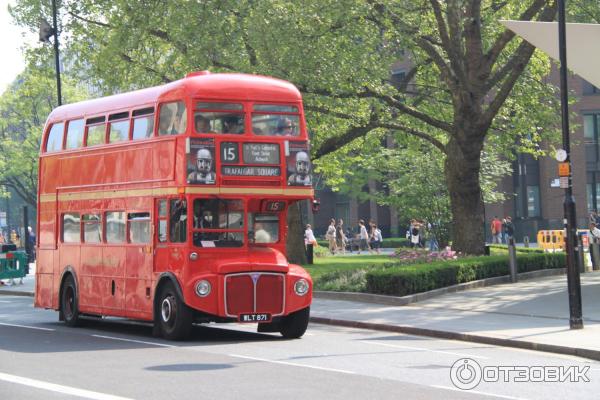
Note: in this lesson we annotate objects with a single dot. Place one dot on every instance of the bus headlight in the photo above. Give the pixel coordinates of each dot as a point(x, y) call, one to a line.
point(301, 287)
point(203, 288)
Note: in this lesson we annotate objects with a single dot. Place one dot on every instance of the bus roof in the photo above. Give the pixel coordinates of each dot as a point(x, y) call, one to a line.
point(202, 84)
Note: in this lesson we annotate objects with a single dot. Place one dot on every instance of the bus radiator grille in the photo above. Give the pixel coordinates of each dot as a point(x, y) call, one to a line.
point(254, 293)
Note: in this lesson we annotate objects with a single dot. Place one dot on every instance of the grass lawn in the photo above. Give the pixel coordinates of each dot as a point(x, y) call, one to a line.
point(328, 264)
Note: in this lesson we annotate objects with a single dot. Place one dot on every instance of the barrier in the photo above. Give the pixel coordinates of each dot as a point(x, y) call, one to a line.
point(13, 265)
point(551, 240)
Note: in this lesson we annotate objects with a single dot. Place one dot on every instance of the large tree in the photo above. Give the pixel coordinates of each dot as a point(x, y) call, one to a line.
point(468, 81)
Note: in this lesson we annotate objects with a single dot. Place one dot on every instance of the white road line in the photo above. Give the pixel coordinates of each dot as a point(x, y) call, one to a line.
point(424, 349)
point(59, 388)
point(501, 396)
point(293, 364)
point(28, 327)
point(134, 341)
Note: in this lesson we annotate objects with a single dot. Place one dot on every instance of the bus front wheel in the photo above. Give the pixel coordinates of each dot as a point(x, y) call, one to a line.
point(69, 304)
point(294, 325)
point(173, 317)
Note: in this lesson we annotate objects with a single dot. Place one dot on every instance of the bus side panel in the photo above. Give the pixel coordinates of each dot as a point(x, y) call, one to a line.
point(89, 279)
point(163, 161)
point(113, 279)
point(44, 278)
point(139, 164)
point(68, 256)
point(47, 225)
point(138, 279)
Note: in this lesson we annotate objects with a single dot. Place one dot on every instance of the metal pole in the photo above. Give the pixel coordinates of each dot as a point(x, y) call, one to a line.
point(574, 284)
point(56, 54)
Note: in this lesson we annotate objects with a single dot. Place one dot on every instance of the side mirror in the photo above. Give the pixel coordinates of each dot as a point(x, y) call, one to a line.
point(316, 204)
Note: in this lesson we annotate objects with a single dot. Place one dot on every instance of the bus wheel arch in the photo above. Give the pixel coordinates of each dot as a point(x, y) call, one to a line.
point(172, 317)
point(68, 301)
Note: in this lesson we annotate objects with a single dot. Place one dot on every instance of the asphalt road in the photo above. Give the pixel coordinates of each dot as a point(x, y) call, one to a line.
point(41, 358)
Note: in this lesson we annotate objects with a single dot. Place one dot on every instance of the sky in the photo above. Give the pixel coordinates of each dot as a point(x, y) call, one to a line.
point(11, 41)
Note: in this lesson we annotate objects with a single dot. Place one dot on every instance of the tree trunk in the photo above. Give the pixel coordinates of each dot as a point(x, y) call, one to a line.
point(296, 252)
point(466, 199)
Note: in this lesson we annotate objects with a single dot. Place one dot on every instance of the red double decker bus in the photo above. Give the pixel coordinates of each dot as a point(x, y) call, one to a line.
point(169, 204)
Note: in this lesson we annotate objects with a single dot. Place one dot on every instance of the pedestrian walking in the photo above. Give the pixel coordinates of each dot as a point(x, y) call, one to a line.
point(363, 236)
point(377, 239)
point(330, 236)
point(509, 229)
point(496, 228)
point(340, 237)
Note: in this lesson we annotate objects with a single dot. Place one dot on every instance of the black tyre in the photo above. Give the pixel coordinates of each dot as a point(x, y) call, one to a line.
point(173, 317)
point(69, 302)
point(294, 325)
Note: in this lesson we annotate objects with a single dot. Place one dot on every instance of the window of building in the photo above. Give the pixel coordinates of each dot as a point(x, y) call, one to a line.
point(92, 228)
point(75, 132)
point(71, 232)
point(55, 138)
point(589, 127)
point(172, 118)
point(533, 201)
point(115, 227)
point(143, 123)
point(139, 227)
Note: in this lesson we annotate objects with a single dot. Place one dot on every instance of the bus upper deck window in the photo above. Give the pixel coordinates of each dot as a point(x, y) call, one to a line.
point(172, 118)
point(75, 134)
point(55, 138)
point(275, 120)
point(215, 117)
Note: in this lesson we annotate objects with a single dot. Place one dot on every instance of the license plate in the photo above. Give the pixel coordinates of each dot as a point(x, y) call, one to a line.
point(255, 317)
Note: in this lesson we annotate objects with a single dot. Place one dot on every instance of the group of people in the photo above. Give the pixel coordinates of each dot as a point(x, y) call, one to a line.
point(421, 234)
point(339, 238)
point(502, 230)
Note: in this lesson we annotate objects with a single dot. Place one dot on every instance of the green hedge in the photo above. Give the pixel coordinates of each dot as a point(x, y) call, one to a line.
point(388, 243)
point(404, 280)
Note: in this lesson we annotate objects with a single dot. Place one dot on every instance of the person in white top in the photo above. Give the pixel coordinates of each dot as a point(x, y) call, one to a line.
point(594, 232)
point(309, 236)
point(330, 236)
point(364, 237)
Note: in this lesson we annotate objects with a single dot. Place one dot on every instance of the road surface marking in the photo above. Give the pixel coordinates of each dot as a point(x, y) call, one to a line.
point(477, 392)
point(53, 387)
point(424, 349)
point(134, 341)
point(292, 364)
point(28, 327)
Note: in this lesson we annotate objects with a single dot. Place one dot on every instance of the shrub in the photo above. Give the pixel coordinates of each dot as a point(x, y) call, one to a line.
point(401, 280)
point(504, 247)
point(353, 280)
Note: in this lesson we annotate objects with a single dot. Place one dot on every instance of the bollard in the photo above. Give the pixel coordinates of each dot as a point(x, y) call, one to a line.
point(486, 250)
point(512, 260)
point(526, 241)
point(310, 253)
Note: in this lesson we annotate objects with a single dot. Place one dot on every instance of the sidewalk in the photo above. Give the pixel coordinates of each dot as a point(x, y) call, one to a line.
point(532, 314)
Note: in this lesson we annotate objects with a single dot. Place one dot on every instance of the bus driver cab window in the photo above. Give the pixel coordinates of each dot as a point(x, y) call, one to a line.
point(178, 219)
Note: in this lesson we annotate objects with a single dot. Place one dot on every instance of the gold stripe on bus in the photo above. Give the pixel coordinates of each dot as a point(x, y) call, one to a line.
point(112, 194)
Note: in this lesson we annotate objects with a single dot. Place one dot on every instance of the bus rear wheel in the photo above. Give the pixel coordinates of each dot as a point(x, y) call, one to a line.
point(294, 325)
point(69, 304)
point(173, 317)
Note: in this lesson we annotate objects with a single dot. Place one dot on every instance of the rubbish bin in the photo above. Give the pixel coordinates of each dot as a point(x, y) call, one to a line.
point(310, 253)
point(486, 250)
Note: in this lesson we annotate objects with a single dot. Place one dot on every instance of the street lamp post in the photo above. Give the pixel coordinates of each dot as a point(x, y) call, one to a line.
point(45, 32)
point(574, 284)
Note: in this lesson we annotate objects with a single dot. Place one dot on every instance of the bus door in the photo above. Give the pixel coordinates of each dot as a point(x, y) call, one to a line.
point(171, 234)
point(138, 268)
